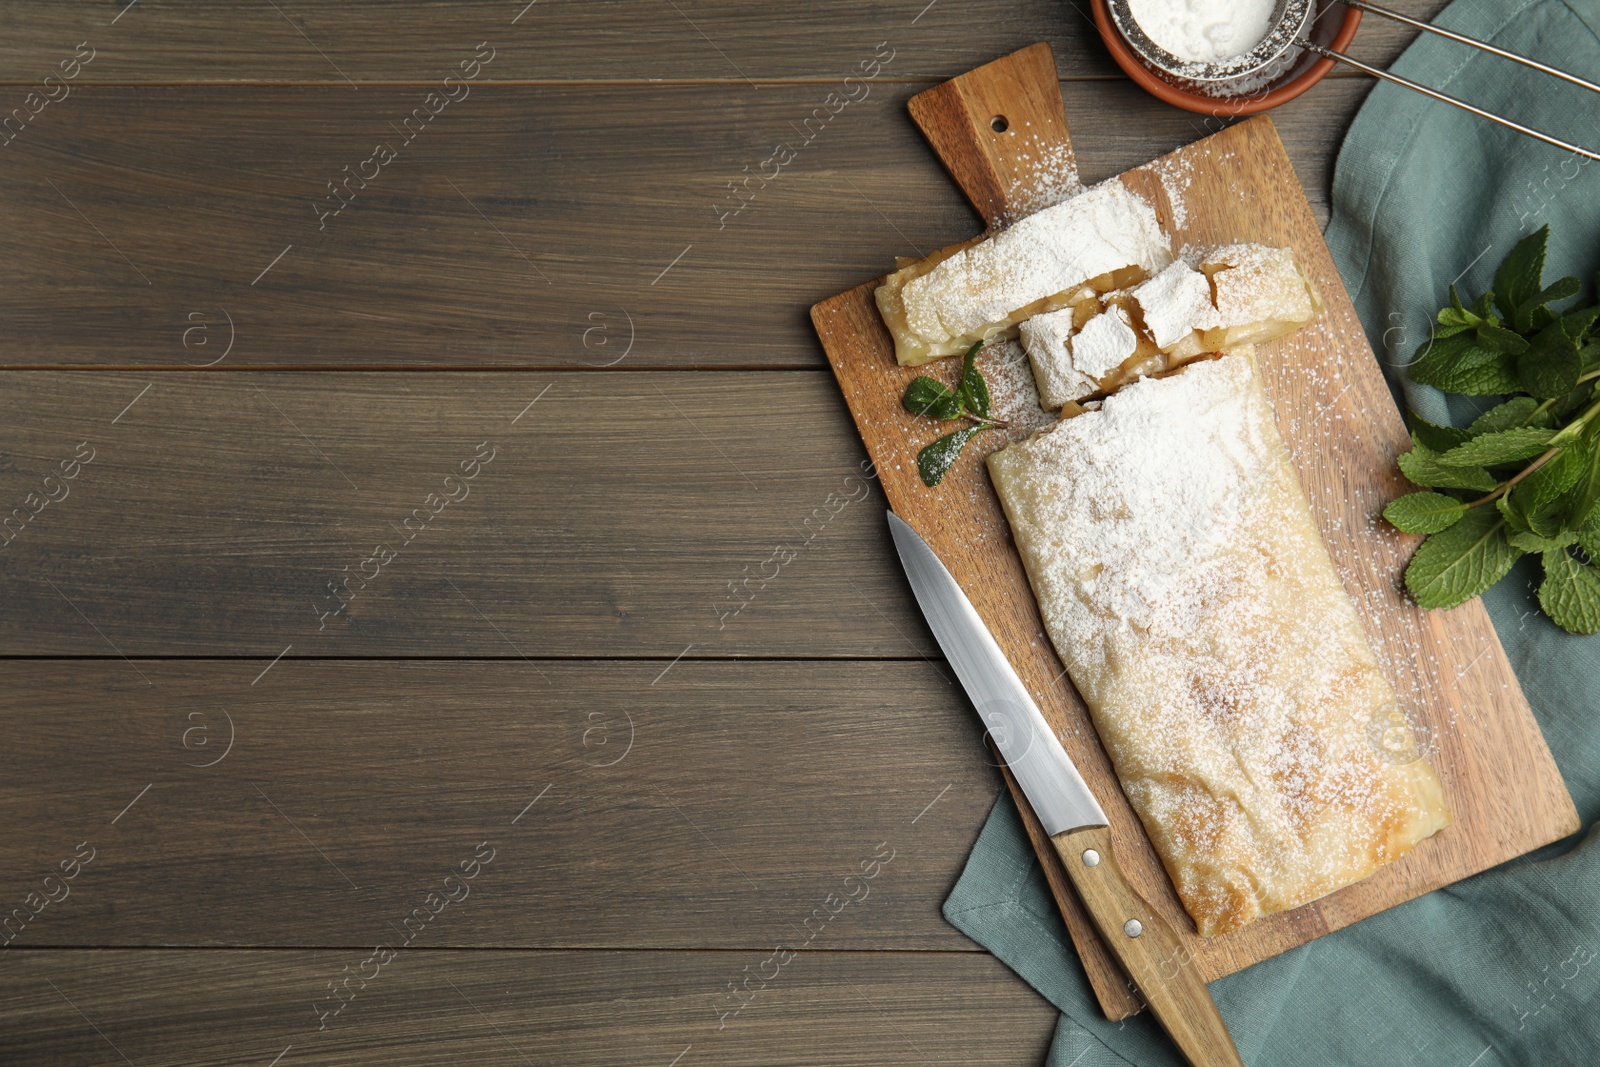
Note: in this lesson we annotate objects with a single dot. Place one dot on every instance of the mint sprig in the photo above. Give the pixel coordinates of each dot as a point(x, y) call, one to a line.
point(1524, 478)
point(932, 399)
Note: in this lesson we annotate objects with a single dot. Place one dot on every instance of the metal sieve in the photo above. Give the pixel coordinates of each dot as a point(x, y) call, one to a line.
point(1291, 22)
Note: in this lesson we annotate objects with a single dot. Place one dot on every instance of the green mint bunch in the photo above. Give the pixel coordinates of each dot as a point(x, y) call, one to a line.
point(932, 399)
point(1525, 476)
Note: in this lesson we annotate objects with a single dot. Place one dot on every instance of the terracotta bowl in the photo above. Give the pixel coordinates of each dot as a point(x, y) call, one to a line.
point(1334, 27)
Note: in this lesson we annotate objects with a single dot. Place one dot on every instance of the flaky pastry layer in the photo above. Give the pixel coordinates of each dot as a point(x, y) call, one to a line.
point(1105, 238)
point(1187, 589)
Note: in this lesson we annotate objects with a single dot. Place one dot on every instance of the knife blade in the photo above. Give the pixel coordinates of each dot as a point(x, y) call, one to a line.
point(1137, 935)
point(1055, 789)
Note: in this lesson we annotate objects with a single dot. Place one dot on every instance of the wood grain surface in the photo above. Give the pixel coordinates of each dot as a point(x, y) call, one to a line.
point(1339, 420)
point(320, 42)
point(691, 793)
point(974, 121)
point(1146, 948)
point(613, 1009)
point(515, 231)
point(668, 542)
point(621, 514)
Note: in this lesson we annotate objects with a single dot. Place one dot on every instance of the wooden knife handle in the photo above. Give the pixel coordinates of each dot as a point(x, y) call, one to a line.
point(1147, 948)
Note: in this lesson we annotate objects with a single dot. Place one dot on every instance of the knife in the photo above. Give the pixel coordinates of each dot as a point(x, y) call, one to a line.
point(1138, 937)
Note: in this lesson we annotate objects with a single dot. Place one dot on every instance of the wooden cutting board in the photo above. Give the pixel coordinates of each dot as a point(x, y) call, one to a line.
point(1001, 132)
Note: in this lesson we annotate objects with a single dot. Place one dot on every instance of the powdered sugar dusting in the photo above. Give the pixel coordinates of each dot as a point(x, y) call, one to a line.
point(1045, 255)
point(1013, 396)
point(1256, 282)
point(1104, 343)
point(1047, 339)
point(1131, 498)
point(1174, 302)
point(1045, 170)
point(1184, 583)
point(1175, 172)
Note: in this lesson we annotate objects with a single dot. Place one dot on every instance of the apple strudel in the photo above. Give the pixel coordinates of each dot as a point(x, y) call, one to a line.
point(1185, 585)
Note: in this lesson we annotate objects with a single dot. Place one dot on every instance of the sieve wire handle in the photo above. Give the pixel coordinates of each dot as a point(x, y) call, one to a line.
point(1448, 99)
point(1361, 5)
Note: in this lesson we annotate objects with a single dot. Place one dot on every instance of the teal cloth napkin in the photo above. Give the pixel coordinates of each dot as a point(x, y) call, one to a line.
point(1503, 968)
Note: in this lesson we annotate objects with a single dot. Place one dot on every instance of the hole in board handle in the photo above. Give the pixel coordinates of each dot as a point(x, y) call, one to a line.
point(999, 124)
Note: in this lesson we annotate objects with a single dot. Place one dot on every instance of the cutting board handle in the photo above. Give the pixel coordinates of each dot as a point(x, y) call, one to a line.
point(1001, 131)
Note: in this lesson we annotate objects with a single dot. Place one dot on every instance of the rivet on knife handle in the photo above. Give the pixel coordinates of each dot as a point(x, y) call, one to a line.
point(1147, 948)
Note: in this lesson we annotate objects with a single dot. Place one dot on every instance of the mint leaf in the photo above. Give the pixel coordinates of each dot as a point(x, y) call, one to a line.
point(1570, 593)
point(1501, 339)
point(1495, 449)
point(1535, 453)
point(1515, 521)
point(926, 396)
point(1521, 274)
point(1460, 364)
point(1535, 312)
point(1456, 318)
point(1533, 543)
point(1422, 467)
point(1484, 308)
point(1545, 487)
point(1513, 414)
point(1585, 491)
point(1435, 356)
point(1589, 537)
point(1436, 438)
point(1590, 354)
point(1424, 513)
point(1578, 323)
point(1570, 404)
point(934, 461)
point(972, 390)
point(1551, 365)
point(1454, 566)
point(1536, 517)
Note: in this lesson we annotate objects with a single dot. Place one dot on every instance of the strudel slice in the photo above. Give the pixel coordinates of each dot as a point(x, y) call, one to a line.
point(1187, 589)
point(1258, 294)
point(1084, 349)
point(1105, 238)
point(1240, 294)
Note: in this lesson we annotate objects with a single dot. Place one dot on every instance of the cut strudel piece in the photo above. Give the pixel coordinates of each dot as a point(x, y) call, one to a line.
point(1102, 239)
point(1187, 589)
point(1258, 294)
point(1240, 294)
point(1173, 303)
point(1084, 349)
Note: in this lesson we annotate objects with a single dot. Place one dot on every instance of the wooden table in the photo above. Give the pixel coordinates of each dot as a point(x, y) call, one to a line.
point(444, 619)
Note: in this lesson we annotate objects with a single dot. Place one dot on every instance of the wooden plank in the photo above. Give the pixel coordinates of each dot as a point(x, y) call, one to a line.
point(621, 513)
point(1339, 419)
point(627, 803)
point(594, 40)
point(563, 226)
point(242, 1009)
